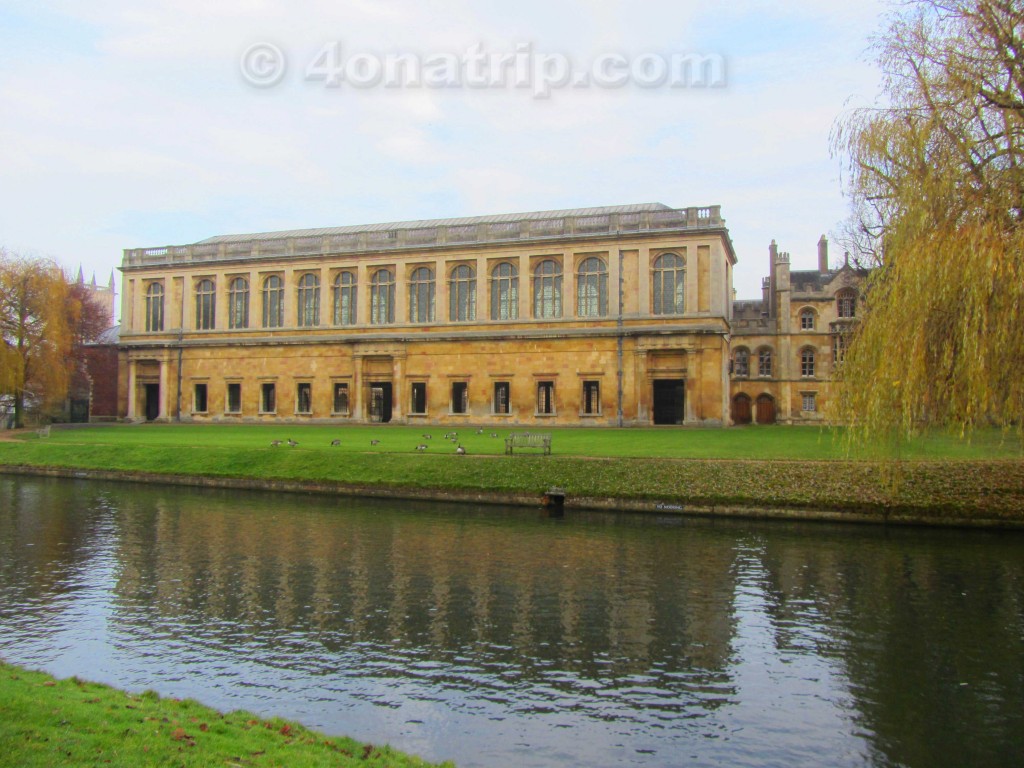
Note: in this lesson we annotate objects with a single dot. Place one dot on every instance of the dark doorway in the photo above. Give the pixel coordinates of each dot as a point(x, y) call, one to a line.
point(669, 399)
point(741, 411)
point(80, 411)
point(765, 409)
point(152, 401)
point(380, 402)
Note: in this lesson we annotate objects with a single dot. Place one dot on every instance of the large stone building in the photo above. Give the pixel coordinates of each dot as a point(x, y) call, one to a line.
point(599, 316)
point(602, 316)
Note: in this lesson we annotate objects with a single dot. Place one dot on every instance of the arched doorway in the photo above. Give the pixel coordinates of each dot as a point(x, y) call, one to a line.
point(765, 409)
point(741, 410)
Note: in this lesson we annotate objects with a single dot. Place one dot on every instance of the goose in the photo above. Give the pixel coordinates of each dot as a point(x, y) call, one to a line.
point(421, 447)
point(292, 443)
point(460, 451)
point(274, 443)
point(374, 442)
point(335, 442)
point(428, 437)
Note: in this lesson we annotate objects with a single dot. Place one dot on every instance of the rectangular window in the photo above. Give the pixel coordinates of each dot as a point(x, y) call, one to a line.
point(234, 398)
point(268, 398)
point(418, 401)
point(502, 392)
point(810, 402)
point(591, 398)
point(304, 398)
point(460, 397)
point(199, 399)
point(340, 397)
point(545, 397)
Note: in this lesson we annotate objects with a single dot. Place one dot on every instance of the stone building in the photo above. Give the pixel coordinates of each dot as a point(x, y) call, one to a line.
point(786, 346)
point(598, 316)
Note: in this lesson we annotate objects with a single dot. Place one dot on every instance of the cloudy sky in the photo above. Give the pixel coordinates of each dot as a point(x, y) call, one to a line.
point(133, 124)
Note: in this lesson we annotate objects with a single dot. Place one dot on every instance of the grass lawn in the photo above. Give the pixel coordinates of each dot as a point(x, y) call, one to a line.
point(46, 722)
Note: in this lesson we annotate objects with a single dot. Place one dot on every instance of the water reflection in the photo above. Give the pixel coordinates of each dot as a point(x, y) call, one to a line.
point(495, 637)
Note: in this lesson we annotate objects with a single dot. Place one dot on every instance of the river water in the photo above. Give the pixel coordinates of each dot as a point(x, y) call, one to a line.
point(497, 637)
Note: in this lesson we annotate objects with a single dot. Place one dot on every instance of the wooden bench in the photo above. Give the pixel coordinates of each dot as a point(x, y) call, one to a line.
point(527, 440)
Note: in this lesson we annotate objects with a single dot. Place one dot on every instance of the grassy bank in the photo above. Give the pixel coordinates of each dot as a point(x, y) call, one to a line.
point(943, 477)
point(47, 722)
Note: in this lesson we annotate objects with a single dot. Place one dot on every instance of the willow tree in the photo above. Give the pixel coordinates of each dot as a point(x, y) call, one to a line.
point(936, 177)
point(36, 335)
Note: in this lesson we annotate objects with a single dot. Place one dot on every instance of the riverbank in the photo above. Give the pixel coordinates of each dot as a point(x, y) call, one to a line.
point(942, 491)
point(47, 722)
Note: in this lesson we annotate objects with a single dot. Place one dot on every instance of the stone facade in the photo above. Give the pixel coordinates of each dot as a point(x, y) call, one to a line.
point(599, 317)
point(786, 346)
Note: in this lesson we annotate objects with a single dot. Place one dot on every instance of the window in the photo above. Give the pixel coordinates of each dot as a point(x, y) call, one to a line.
point(234, 398)
point(418, 401)
point(199, 399)
point(460, 397)
point(340, 398)
point(382, 297)
point(807, 363)
point(846, 303)
point(462, 294)
point(238, 303)
point(502, 392)
point(545, 397)
point(592, 288)
point(304, 398)
point(591, 398)
point(809, 402)
point(807, 320)
point(345, 299)
point(839, 342)
point(155, 307)
point(764, 362)
point(669, 284)
point(505, 292)
point(741, 366)
point(268, 398)
point(273, 302)
point(421, 295)
point(206, 302)
point(309, 301)
point(547, 289)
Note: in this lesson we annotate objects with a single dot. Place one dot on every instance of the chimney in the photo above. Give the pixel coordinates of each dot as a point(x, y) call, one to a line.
point(823, 255)
point(773, 255)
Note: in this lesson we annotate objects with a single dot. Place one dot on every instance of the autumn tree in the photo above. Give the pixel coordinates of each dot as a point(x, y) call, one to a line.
point(936, 180)
point(38, 317)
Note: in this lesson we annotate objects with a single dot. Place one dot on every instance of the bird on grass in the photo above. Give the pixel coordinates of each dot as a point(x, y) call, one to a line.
point(460, 450)
point(480, 431)
point(335, 442)
point(374, 442)
point(494, 434)
point(274, 443)
point(421, 447)
point(292, 443)
point(428, 437)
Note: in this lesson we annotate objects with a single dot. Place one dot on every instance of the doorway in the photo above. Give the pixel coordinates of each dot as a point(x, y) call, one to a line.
point(152, 401)
point(380, 402)
point(669, 401)
point(765, 409)
point(741, 411)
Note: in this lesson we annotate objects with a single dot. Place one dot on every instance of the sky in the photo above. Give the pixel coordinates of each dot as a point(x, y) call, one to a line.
point(131, 125)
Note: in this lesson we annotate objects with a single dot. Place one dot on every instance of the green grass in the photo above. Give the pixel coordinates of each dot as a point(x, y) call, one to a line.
point(46, 722)
point(795, 467)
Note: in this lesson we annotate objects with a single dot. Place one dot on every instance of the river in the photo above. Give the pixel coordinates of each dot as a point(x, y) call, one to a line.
point(499, 637)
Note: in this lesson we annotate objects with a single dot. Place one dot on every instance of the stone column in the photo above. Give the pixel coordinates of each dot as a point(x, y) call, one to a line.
point(644, 282)
point(441, 292)
point(525, 288)
point(356, 395)
point(163, 390)
point(483, 289)
point(131, 390)
point(568, 285)
point(398, 387)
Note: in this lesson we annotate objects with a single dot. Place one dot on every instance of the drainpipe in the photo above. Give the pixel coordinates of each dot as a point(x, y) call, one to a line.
point(618, 326)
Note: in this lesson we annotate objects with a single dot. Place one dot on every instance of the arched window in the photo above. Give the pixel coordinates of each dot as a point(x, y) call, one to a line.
point(309, 301)
point(206, 303)
point(421, 295)
point(592, 288)
point(669, 285)
point(382, 297)
point(155, 307)
point(807, 362)
point(547, 289)
point(273, 302)
point(345, 299)
point(505, 292)
point(238, 303)
point(764, 362)
point(462, 293)
point(846, 303)
point(807, 320)
point(741, 365)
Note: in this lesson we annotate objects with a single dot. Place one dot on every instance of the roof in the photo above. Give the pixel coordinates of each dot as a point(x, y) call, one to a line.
point(501, 218)
point(110, 336)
